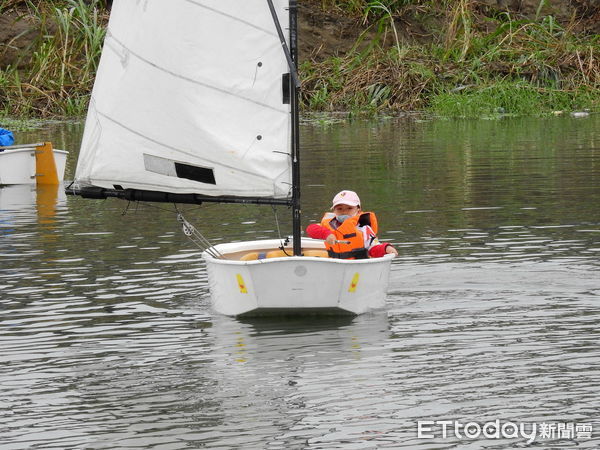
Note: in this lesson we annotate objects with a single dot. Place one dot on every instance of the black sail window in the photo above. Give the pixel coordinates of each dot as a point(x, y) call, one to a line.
point(168, 167)
point(195, 173)
point(285, 86)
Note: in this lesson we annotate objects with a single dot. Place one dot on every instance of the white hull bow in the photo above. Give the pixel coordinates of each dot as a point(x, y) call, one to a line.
point(295, 284)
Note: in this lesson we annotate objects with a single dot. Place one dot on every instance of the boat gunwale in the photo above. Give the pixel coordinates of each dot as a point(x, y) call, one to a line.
point(273, 243)
point(297, 258)
point(21, 149)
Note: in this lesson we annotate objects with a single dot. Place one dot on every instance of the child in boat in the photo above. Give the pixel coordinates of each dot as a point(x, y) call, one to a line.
point(348, 232)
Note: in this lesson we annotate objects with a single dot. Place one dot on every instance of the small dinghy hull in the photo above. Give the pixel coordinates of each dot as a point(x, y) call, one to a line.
point(21, 164)
point(293, 285)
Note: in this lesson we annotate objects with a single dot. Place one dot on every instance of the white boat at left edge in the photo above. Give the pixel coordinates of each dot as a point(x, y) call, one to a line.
point(32, 164)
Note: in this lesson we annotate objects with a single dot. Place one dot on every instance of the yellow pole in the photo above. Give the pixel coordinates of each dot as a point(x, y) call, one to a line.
point(45, 166)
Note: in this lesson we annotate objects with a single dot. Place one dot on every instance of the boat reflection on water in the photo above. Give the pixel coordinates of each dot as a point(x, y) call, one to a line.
point(295, 324)
point(282, 379)
point(325, 339)
point(31, 203)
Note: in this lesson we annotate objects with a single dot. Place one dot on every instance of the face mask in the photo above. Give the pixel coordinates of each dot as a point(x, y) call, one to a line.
point(342, 217)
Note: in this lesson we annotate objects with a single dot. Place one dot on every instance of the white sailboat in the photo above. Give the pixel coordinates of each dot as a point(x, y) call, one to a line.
point(197, 101)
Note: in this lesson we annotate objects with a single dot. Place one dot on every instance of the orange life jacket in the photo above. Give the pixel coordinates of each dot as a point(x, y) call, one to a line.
point(349, 231)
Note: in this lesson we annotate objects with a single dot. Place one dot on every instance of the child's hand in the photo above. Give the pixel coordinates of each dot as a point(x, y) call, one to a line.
point(330, 239)
point(390, 249)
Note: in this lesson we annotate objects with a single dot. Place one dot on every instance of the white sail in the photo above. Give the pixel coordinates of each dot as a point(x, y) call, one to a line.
point(188, 98)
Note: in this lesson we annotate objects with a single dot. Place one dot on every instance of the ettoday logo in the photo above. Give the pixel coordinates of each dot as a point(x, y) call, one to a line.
point(431, 429)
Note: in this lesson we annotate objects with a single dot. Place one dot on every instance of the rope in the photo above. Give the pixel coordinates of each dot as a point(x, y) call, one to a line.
point(276, 221)
point(287, 239)
point(197, 238)
point(188, 229)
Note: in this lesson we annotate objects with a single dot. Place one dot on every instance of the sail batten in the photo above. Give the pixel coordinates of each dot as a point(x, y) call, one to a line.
point(184, 83)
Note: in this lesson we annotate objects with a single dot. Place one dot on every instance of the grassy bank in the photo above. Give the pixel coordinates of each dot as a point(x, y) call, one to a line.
point(61, 62)
point(476, 65)
point(475, 61)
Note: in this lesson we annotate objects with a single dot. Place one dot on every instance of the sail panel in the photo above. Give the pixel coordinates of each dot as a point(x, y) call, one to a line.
point(198, 84)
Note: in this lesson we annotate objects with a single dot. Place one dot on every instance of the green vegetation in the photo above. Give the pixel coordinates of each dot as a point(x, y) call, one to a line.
point(63, 61)
point(478, 65)
point(475, 61)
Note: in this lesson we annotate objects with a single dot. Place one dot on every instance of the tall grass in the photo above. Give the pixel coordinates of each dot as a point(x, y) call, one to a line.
point(8, 4)
point(510, 97)
point(475, 64)
point(63, 61)
point(369, 82)
point(519, 67)
point(360, 7)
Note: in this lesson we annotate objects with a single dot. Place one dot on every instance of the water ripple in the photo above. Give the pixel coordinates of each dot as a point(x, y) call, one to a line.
point(107, 339)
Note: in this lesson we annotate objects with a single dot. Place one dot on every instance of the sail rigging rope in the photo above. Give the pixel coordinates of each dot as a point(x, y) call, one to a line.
point(276, 221)
point(188, 229)
point(285, 242)
point(197, 238)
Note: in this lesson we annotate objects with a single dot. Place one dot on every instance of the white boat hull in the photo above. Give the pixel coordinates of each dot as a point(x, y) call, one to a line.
point(294, 285)
point(18, 165)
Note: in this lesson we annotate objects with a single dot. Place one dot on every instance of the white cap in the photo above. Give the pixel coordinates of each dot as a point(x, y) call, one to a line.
point(346, 198)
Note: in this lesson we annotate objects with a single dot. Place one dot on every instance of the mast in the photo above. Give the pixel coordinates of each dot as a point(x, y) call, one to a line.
point(291, 55)
point(296, 211)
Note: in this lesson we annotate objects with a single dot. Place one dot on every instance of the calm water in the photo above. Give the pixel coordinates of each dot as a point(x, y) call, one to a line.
point(107, 339)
